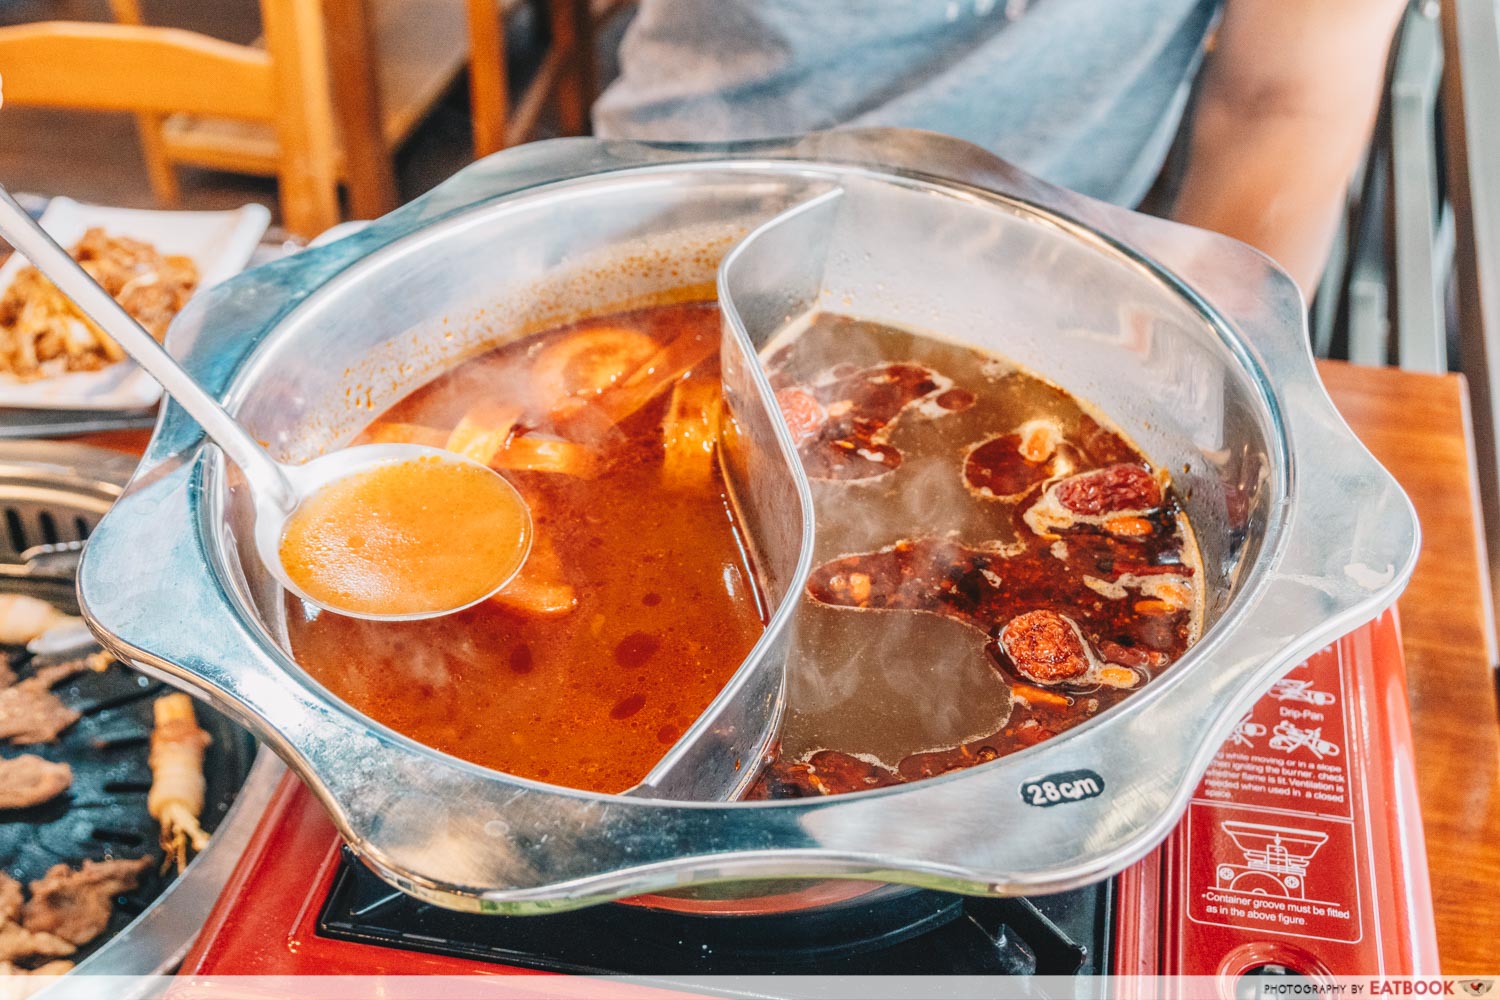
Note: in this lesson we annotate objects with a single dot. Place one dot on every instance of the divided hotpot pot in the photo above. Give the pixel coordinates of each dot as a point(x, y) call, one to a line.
point(1193, 343)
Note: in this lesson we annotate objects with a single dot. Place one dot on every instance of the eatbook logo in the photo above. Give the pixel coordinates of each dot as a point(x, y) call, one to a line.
point(1477, 987)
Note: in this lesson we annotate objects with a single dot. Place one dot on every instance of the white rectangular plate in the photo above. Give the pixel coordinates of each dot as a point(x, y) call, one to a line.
point(220, 243)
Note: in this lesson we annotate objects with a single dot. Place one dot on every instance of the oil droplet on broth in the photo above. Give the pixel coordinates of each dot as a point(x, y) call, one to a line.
point(412, 537)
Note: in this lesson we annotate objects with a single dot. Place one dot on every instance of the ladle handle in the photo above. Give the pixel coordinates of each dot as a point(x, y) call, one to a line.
point(33, 242)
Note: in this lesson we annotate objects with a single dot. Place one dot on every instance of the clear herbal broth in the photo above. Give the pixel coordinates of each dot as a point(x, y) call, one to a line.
point(994, 565)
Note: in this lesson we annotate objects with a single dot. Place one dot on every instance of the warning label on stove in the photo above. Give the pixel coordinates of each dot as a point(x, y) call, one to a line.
point(1301, 785)
point(1270, 832)
point(1287, 753)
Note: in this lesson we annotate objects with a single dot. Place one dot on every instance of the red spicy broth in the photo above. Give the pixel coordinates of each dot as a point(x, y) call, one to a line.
point(636, 604)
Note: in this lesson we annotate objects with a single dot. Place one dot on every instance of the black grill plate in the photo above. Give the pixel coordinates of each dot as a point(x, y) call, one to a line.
point(104, 814)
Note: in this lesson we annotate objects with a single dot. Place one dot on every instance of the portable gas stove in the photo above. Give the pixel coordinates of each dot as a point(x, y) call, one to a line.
point(1301, 856)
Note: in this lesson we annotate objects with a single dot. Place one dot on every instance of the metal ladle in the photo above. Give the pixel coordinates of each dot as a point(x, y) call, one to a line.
point(277, 490)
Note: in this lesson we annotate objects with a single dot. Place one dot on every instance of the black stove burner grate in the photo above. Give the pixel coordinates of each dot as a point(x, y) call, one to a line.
point(907, 933)
point(103, 815)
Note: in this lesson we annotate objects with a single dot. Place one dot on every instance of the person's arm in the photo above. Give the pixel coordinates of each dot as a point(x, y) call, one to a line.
point(1288, 97)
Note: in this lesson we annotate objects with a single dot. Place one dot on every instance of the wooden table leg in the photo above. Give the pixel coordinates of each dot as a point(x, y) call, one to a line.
point(573, 37)
point(489, 90)
point(158, 165)
point(307, 172)
point(369, 169)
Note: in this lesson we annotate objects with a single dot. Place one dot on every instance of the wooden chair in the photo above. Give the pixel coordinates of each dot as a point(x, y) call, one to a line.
point(389, 62)
point(161, 71)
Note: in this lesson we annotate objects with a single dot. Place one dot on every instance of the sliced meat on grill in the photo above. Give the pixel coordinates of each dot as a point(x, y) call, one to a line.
point(10, 898)
point(75, 903)
point(31, 713)
point(16, 942)
point(7, 675)
point(54, 674)
point(28, 780)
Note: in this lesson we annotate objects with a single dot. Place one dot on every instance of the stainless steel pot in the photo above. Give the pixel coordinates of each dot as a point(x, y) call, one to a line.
point(1193, 342)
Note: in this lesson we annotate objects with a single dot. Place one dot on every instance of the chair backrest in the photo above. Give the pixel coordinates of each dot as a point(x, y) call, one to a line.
point(152, 70)
point(116, 67)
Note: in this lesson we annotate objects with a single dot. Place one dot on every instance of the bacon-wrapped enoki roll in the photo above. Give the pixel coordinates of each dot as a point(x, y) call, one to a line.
point(177, 783)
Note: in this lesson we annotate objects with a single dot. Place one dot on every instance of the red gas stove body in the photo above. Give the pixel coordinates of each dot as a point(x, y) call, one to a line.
point(1302, 846)
point(1301, 851)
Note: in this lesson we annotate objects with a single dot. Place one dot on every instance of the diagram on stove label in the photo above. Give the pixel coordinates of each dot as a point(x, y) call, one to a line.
point(1288, 737)
point(1246, 733)
point(1283, 874)
point(1275, 859)
point(1299, 689)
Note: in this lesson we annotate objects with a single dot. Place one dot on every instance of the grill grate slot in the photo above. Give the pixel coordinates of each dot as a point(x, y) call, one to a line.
point(119, 741)
point(15, 532)
point(43, 521)
point(142, 688)
point(127, 838)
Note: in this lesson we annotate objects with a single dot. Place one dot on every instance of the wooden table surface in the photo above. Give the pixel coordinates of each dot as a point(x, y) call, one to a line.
point(1418, 426)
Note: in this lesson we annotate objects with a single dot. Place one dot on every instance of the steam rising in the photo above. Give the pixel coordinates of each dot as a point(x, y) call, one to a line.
point(886, 684)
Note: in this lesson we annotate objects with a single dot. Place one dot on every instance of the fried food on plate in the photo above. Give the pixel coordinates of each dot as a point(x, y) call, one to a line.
point(43, 334)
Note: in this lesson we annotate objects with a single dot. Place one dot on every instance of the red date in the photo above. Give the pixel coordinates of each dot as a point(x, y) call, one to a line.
point(803, 413)
point(1044, 647)
point(1104, 491)
point(1132, 656)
